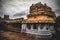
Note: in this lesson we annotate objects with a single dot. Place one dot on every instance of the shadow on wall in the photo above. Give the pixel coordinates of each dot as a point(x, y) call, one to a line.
point(3, 38)
point(2, 26)
point(57, 27)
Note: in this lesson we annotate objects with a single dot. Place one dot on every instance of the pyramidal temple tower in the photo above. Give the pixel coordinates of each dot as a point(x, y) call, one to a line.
point(40, 21)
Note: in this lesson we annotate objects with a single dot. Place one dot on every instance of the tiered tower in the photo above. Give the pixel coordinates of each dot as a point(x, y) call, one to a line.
point(40, 12)
point(40, 21)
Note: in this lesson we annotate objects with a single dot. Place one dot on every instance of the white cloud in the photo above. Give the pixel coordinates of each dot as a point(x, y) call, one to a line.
point(12, 7)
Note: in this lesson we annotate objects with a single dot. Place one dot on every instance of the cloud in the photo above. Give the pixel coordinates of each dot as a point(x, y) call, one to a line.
point(58, 10)
point(57, 1)
point(19, 7)
point(23, 13)
point(1, 12)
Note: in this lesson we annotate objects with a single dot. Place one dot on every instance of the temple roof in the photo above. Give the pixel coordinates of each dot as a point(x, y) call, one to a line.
point(40, 8)
point(43, 14)
point(40, 21)
point(13, 20)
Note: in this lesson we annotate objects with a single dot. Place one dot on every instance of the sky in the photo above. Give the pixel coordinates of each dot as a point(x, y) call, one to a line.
point(20, 8)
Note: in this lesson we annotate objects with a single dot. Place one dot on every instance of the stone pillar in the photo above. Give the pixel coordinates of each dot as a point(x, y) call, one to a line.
point(39, 27)
point(23, 27)
point(31, 26)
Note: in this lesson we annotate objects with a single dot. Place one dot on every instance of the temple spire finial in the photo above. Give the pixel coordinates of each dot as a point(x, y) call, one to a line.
point(45, 4)
point(39, 3)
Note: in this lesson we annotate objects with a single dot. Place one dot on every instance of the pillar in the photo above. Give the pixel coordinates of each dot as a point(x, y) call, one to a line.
point(39, 27)
point(23, 27)
point(31, 26)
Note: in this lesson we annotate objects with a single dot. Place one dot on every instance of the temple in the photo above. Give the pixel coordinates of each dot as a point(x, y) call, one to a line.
point(40, 22)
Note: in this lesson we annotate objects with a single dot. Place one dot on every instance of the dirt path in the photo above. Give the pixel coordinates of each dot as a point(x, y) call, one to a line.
point(16, 36)
point(6, 35)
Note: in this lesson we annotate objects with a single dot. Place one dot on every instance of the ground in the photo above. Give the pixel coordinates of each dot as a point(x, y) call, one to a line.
point(7, 35)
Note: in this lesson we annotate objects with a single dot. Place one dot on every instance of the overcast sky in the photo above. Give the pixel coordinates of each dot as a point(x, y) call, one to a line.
point(20, 8)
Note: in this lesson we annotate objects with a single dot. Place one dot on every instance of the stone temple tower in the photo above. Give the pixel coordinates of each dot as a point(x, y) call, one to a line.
point(40, 21)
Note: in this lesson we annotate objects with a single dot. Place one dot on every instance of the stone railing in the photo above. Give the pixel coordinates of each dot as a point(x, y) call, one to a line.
point(39, 32)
